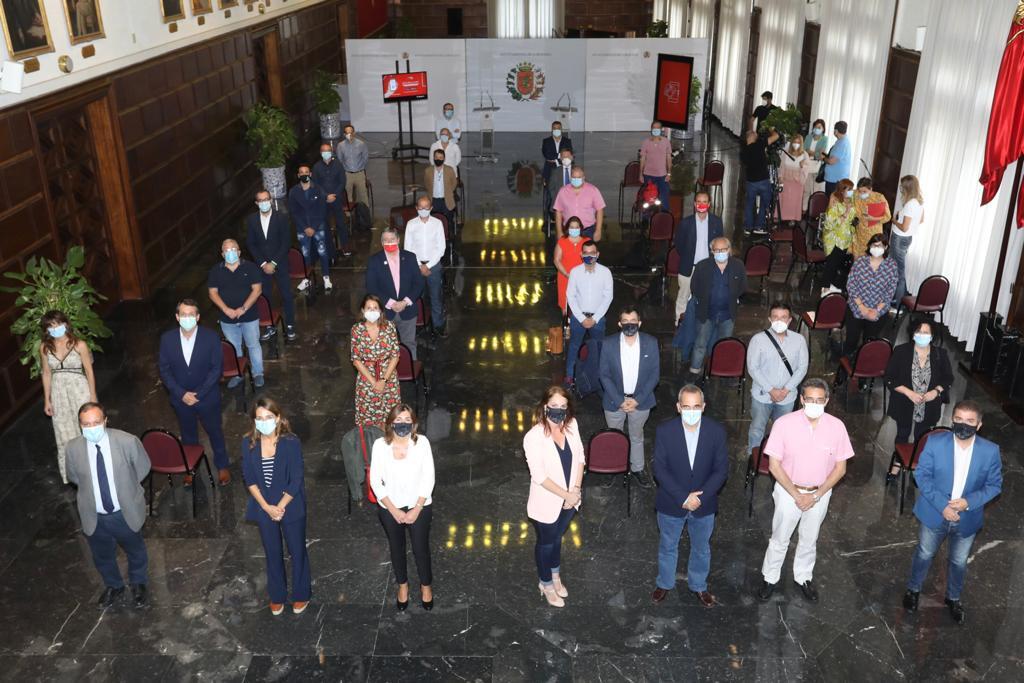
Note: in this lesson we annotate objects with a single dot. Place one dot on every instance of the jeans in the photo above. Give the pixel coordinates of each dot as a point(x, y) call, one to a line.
point(306, 245)
point(757, 190)
point(433, 283)
point(898, 248)
point(419, 531)
point(248, 332)
point(576, 337)
point(663, 188)
point(708, 330)
point(337, 209)
point(699, 564)
point(112, 531)
point(636, 421)
point(548, 550)
point(928, 543)
point(760, 414)
point(284, 288)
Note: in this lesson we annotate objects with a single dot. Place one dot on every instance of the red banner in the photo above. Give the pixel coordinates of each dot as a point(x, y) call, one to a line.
point(672, 97)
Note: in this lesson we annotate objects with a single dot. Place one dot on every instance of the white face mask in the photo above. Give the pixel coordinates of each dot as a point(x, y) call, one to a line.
point(878, 252)
point(795, 145)
point(371, 316)
point(423, 213)
point(779, 326)
point(814, 410)
point(566, 162)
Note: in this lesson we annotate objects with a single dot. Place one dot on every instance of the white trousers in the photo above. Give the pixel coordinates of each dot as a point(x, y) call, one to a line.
point(786, 519)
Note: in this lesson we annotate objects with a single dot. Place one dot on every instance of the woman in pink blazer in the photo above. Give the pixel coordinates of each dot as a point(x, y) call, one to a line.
point(554, 453)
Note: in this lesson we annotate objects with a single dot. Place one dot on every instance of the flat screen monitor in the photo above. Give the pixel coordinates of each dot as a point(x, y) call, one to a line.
point(405, 87)
point(672, 99)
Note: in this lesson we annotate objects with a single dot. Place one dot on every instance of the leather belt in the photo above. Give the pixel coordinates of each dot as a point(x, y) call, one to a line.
point(806, 489)
point(628, 396)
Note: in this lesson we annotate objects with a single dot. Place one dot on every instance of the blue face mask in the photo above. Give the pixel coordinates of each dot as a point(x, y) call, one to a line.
point(721, 257)
point(577, 182)
point(264, 206)
point(402, 429)
point(187, 322)
point(448, 113)
point(444, 138)
point(58, 331)
point(656, 132)
point(266, 427)
point(922, 339)
point(691, 417)
point(818, 132)
point(326, 156)
point(94, 434)
point(590, 260)
point(557, 133)
point(231, 256)
point(574, 232)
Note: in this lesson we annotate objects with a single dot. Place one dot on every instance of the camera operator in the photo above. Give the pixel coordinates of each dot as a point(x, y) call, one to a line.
point(754, 157)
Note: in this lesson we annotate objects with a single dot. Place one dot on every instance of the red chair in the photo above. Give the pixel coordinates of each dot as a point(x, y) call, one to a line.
point(422, 314)
point(817, 205)
point(813, 258)
point(608, 453)
point(728, 360)
point(931, 298)
point(400, 216)
point(661, 230)
point(235, 366)
point(671, 267)
point(271, 319)
point(630, 178)
point(757, 466)
point(869, 364)
point(410, 370)
point(830, 315)
point(758, 261)
point(167, 455)
point(711, 181)
point(298, 269)
point(906, 455)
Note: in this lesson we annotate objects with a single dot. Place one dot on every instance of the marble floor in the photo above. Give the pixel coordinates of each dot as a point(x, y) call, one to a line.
point(209, 619)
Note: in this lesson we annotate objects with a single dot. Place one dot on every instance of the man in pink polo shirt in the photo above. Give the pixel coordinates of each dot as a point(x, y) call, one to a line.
point(583, 200)
point(656, 162)
point(807, 453)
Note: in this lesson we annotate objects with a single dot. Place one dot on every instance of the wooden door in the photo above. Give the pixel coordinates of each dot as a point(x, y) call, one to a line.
point(897, 98)
point(808, 66)
point(751, 81)
point(267, 57)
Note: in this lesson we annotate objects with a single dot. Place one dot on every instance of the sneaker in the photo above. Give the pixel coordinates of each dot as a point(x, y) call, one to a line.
point(327, 283)
point(258, 381)
point(234, 382)
point(276, 608)
point(303, 286)
point(268, 332)
point(290, 334)
point(299, 607)
point(346, 252)
point(759, 231)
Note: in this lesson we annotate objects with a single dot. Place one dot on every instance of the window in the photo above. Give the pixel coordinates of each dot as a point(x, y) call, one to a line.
point(525, 18)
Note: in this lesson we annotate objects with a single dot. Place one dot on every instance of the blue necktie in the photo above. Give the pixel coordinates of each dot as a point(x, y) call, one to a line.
point(565, 175)
point(101, 476)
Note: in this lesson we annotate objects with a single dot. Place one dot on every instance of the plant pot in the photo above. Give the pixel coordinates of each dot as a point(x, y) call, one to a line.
point(691, 124)
point(330, 126)
point(274, 182)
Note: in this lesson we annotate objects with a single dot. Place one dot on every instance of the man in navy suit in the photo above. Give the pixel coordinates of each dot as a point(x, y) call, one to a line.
point(957, 475)
point(630, 369)
point(693, 242)
point(690, 464)
point(190, 367)
point(394, 276)
point(269, 239)
point(552, 147)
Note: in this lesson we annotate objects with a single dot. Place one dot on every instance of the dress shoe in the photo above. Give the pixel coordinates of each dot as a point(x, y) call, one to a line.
point(705, 598)
point(956, 610)
point(764, 593)
point(441, 332)
point(560, 588)
point(401, 606)
point(642, 479)
point(225, 477)
point(299, 606)
point(110, 597)
point(659, 595)
point(427, 604)
point(277, 608)
point(550, 595)
point(809, 591)
point(910, 599)
point(140, 596)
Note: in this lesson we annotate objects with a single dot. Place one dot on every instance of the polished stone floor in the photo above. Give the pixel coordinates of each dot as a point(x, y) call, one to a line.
point(209, 619)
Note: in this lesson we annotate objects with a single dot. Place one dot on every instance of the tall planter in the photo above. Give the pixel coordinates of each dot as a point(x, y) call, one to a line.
point(271, 134)
point(327, 101)
point(274, 181)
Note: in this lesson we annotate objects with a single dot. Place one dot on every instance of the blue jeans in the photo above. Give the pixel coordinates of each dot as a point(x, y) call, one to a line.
point(708, 332)
point(757, 190)
point(434, 282)
point(248, 332)
point(548, 550)
point(320, 238)
point(898, 248)
point(663, 188)
point(928, 543)
point(577, 334)
point(699, 565)
point(760, 414)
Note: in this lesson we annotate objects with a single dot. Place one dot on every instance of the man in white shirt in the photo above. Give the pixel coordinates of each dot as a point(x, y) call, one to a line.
point(448, 121)
point(424, 237)
point(589, 294)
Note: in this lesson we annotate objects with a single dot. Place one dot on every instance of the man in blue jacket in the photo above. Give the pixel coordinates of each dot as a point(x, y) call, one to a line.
point(268, 238)
point(329, 175)
point(394, 276)
point(957, 475)
point(307, 203)
point(691, 464)
point(630, 369)
point(693, 242)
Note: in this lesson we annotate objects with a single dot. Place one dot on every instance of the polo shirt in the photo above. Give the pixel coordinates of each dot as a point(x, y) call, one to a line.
point(235, 287)
point(583, 203)
point(808, 454)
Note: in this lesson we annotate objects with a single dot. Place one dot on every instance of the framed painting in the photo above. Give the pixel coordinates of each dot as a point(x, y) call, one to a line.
point(201, 7)
point(25, 28)
point(172, 10)
point(84, 20)
point(227, 4)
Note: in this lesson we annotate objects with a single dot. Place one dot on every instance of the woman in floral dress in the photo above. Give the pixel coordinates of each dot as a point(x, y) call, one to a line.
point(375, 355)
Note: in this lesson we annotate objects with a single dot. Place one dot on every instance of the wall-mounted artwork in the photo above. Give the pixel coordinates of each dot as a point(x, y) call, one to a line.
point(226, 4)
point(201, 7)
point(25, 27)
point(84, 20)
point(172, 10)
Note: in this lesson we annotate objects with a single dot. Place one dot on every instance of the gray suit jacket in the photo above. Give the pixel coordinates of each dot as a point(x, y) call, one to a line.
point(131, 465)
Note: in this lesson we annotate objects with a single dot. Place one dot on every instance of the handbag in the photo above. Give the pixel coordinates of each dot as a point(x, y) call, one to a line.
point(820, 177)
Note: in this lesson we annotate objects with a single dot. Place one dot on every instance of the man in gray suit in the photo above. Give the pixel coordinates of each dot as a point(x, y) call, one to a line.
point(108, 466)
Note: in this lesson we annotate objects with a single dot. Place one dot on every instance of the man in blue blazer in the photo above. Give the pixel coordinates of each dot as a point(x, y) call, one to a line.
point(693, 242)
point(551, 149)
point(957, 475)
point(630, 370)
point(391, 265)
point(691, 464)
point(190, 367)
point(268, 238)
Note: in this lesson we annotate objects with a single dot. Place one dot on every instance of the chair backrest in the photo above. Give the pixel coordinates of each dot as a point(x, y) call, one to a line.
point(758, 260)
point(760, 459)
point(672, 262)
point(831, 310)
point(714, 173)
point(444, 224)
point(921, 441)
point(608, 452)
point(631, 175)
point(872, 358)
point(400, 216)
point(297, 268)
point(662, 228)
point(728, 358)
point(816, 205)
point(933, 291)
point(230, 360)
point(265, 310)
point(164, 450)
point(422, 313)
point(405, 370)
point(800, 242)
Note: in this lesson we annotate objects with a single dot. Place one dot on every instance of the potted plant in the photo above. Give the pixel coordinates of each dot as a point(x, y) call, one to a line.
point(694, 108)
point(46, 286)
point(270, 132)
point(788, 122)
point(327, 101)
point(658, 29)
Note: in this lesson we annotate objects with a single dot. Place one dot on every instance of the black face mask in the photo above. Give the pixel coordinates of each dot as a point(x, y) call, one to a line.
point(630, 329)
point(402, 429)
point(304, 178)
point(556, 415)
point(438, 162)
point(964, 431)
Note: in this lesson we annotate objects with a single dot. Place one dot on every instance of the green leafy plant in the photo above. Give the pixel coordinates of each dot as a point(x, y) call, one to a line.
point(684, 175)
point(658, 29)
point(326, 99)
point(46, 286)
point(271, 132)
point(405, 28)
point(695, 87)
point(788, 121)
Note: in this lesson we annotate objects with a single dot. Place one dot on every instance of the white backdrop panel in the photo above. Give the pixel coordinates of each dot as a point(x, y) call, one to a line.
point(443, 60)
point(621, 75)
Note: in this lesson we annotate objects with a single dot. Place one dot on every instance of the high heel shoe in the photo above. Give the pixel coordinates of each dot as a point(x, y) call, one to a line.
point(551, 596)
point(427, 604)
point(560, 588)
point(401, 606)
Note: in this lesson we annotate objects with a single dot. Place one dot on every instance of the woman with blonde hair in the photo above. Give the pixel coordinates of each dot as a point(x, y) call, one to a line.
point(794, 163)
point(908, 217)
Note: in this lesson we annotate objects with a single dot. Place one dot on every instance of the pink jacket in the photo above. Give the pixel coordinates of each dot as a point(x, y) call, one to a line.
point(542, 457)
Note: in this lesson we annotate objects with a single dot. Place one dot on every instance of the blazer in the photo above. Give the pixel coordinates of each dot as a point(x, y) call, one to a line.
point(898, 374)
point(450, 181)
point(201, 375)
point(545, 463)
point(611, 372)
point(130, 465)
point(686, 239)
point(700, 284)
point(274, 247)
point(380, 282)
point(672, 467)
point(547, 150)
point(934, 477)
point(288, 478)
point(307, 211)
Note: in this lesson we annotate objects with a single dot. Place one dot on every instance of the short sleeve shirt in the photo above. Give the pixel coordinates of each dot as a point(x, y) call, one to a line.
point(755, 160)
point(234, 287)
point(808, 454)
point(655, 152)
point(841, 169)
point(583, 204)
point(912, 210)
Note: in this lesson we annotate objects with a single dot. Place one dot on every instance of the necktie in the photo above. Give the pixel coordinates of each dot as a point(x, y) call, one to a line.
point(101, 476)
point(565, 175)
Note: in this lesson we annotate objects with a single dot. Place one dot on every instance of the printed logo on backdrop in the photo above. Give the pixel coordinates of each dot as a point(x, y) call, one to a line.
point(524, 179)
point(525, 82)
point(671, 92)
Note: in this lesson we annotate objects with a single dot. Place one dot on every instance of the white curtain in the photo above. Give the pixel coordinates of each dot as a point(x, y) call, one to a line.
point(853, 53)
point(674, 12)
point(731, 69)
point(508, 18)
point(542, 18)
point(945, 148)
point(703, 18)
point(780, 49)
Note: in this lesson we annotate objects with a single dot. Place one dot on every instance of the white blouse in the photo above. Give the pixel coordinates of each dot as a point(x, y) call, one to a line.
point(403, 481)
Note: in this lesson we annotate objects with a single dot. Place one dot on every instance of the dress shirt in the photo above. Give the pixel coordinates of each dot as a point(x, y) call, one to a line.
point(265, 223)
point(583, 203)
point(701, 247)
point(187, 344)
point(353, 155)
point(425, 239)
point(453, 124)
point(961, 467)
point(108, 465)
point(691, 442)
point(589, 291)
point(452, 153)
point(438, 183)
point(767, 371)
point(629, 355)
point(872, 287)
point(808, 453)
point(404, 481)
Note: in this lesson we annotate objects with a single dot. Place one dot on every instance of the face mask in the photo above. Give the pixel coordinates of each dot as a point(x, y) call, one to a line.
point(818, 132)
point(779, 326)
point(865, 195)
point(814, 410)
point(702, 208)
point(326, 156)
point(567, 162)
point(444, 138)
point(263, 206)
point(448, 113)
point(94, 434)
point(690, 417)
point(371, 316)
point(556, 133)
point(556, 415)
point(187, 322)
point(922, 339)
point(266, 427)
point(656, 132)
point(304, 178)
point(764, 102)
point(574, 232)
point(878, 252)
point(849, 193)
point(438, 162)
point(590, 260)
point(630, 329)
point(577, 182)
point(402, 429)
point(423, 213)
point(964, 431)
point(58, 331)
point(231, 256)
point(392, 248)
point(721, 257)
point(349, 136)
point(795, 145)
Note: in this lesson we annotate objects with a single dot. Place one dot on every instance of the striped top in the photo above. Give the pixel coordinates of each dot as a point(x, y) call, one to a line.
point(268, 470)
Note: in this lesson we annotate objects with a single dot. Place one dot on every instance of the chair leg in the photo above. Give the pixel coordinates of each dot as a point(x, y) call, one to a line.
point(750, 500)
point(349, 502)
point(903, 487)
point(150, 477)
point(194, 487)
point(209, 472)
point(629, 493)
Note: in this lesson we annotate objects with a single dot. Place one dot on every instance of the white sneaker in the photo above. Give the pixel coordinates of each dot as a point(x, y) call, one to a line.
point(327, 283)
point(834, 290)
point(304, 284)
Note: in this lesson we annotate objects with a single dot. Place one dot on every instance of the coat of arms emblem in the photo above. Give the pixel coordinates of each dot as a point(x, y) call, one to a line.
point(525, 82)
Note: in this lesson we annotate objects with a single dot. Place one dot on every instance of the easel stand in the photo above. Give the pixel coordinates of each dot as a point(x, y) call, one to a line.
point(408, 150)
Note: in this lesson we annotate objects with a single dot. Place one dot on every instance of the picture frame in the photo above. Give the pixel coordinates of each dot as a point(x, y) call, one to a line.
point(26, 29)
point(84, 20)
point(172, 10)
point(227, 4)
point(200, 7)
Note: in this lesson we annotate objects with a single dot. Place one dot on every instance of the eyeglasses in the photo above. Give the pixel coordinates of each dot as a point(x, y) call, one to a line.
point(816, 401)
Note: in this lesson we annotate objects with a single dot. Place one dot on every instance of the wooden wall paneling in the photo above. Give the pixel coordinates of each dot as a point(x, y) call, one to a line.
point(808, 67)
point(894, 118)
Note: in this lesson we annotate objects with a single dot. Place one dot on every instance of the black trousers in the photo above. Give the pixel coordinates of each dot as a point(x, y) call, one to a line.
point(903, 429)
point(834, 271)
point(858, 327)
point(420, 533)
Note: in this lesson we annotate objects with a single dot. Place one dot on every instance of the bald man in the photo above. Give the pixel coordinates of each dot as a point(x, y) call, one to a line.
point(235, 285)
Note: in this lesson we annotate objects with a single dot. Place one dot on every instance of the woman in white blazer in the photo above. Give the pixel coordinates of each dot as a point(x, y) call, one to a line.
point(554, 453)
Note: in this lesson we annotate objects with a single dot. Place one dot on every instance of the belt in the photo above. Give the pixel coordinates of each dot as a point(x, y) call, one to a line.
point(587, 315)
point(627, 395)
point(806, 489)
